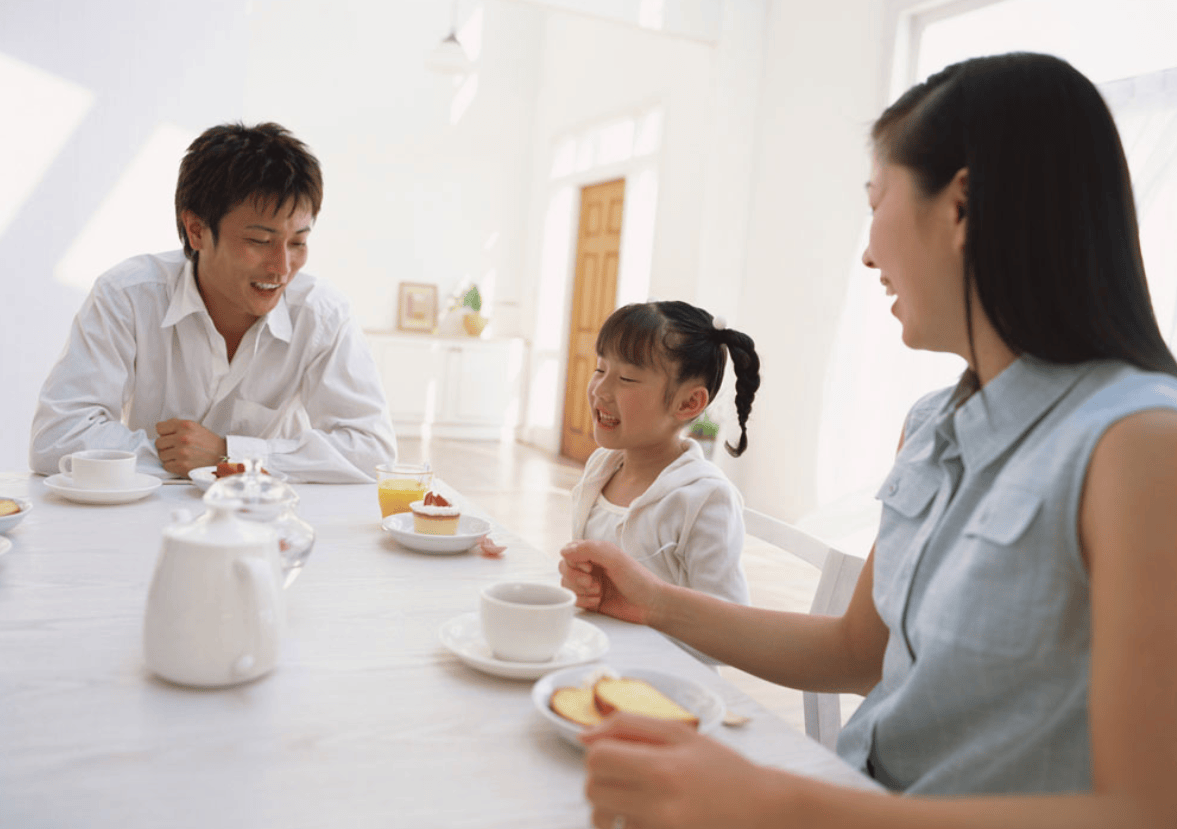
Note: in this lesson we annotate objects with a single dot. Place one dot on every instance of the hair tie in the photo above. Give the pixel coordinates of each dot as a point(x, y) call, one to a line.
point(719, 323)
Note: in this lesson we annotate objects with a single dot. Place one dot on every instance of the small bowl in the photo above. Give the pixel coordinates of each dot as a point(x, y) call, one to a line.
point(10, 521)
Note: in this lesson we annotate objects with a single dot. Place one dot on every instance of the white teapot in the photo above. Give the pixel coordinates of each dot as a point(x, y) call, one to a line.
point(215, 609)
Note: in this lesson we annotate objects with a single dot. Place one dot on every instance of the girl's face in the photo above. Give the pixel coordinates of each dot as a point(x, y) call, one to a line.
point(629, 406)
point(917, 245)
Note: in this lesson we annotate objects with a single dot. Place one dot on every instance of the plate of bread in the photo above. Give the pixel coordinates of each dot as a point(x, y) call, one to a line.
point(574, 699)
point(12, 512)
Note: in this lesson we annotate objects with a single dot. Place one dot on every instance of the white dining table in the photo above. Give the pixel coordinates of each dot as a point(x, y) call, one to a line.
point(368, 720)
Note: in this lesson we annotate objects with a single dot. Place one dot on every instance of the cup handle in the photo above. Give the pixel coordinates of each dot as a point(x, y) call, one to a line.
point(64, 466)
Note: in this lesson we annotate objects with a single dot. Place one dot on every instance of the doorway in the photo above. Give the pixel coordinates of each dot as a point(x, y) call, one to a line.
point(594, 296)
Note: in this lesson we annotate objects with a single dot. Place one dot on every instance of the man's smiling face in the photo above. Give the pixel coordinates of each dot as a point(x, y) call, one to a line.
point(259, 249)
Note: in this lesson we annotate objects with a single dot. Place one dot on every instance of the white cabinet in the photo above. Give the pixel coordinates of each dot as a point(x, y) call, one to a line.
point(451, 387)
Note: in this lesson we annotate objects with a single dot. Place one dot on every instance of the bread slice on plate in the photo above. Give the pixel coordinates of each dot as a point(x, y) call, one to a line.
point(589, 704)
point(576, 704)
point(636, 696)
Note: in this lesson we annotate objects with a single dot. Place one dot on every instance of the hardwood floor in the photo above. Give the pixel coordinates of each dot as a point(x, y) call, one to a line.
point(529, 490)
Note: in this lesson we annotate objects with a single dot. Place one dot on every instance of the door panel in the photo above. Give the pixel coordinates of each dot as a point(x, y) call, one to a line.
point(594, 296)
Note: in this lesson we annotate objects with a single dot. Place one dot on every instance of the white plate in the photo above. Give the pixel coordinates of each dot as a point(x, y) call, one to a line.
point(5, 545)
point(64, 486)
point(700, 701)
point(471, 530)
point(10, 521)
point(463, 636)
point(204, 476)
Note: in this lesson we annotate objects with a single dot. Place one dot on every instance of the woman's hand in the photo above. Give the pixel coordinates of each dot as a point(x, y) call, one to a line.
point(663, 774)
point(608, 581)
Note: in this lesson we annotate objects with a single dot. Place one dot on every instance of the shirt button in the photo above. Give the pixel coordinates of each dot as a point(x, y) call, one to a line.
point(891, 490)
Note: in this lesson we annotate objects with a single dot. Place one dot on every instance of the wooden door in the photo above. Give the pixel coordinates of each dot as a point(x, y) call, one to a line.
point(594, 296)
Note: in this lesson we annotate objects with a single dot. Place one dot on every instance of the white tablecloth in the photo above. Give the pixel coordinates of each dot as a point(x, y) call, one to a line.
point(367, 721)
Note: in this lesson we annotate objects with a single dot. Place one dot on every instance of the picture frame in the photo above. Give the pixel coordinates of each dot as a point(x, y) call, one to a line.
point(416, 308)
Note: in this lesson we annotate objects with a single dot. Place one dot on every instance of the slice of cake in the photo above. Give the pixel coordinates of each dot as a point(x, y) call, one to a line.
point(8, 507)
point(434, 515)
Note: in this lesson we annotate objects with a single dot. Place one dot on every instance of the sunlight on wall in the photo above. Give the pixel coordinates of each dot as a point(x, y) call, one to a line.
point(464, 96)
point(136, 217)
point(41, 111)
point(555, 268)
point(637, 238)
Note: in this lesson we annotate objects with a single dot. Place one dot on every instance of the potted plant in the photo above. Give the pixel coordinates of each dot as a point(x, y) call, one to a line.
point(705, 430)
point(472, 320)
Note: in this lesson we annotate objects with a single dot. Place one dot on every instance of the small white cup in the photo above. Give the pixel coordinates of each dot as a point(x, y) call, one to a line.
point(107, 469)
point(526, 621)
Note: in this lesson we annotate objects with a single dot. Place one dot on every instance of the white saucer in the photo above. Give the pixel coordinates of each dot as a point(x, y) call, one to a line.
point(471, 530)
point(463, 636)
point(64, 486)
point(5, 545)
point(205, 476)
point(702, 702)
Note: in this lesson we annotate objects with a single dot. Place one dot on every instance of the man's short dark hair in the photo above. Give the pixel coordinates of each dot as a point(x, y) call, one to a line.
point(231, 163)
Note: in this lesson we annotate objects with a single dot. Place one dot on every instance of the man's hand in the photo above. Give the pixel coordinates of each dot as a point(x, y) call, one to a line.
point(184, 445)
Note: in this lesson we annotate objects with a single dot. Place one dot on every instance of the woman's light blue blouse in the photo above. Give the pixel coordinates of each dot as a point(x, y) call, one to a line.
point(979, 577)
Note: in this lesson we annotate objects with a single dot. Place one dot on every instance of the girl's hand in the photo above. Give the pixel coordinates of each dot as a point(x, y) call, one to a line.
point(662, 774)
point(608, 581)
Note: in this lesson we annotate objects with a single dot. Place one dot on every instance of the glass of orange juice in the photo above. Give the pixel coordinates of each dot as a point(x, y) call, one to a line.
point(400, 484)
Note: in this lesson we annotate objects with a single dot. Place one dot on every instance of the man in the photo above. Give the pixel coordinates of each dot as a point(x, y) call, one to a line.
point(223, 350)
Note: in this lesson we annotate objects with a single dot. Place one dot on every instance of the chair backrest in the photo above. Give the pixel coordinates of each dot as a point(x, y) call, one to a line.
point(839, 575)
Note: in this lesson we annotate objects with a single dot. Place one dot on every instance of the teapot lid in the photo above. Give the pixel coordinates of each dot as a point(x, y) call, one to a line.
point(254, 494)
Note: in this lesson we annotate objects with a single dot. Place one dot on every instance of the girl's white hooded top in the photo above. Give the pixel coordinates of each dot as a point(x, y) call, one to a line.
point(693, 505)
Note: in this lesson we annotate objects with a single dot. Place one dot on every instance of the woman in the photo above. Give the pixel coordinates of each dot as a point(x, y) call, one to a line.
point(1011, 629)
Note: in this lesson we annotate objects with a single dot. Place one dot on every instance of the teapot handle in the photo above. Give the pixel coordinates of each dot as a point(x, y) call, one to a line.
point(263, 600)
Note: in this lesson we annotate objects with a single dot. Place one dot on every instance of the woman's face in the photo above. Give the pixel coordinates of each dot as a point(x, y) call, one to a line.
point(917, 245)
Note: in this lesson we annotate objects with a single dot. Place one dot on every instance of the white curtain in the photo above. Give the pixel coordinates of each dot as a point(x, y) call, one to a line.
point(873, 379)
point(1145, 109)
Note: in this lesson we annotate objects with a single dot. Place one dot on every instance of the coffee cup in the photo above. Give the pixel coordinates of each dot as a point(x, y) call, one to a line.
point(108, 469)
point(526, 621)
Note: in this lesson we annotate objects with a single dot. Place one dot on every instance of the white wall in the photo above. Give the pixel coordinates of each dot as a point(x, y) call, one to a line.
point(409, 194)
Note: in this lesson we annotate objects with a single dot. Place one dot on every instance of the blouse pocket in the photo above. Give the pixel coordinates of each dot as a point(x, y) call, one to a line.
point(1004, 516)
point(907, 491)
point(996, 594)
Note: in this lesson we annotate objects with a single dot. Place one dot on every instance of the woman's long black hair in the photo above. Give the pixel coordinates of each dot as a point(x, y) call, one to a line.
point(1051, 244)
point(684, 340)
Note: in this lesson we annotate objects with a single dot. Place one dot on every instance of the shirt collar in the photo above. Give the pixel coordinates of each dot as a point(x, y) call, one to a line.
point(187, 300)
point(1009, 405)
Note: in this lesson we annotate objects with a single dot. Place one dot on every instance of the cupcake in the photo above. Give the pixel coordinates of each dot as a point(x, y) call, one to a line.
point(435, 515)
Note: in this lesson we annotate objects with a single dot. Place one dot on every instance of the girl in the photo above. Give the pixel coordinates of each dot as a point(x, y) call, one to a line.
point(648, 490)
point(1012, 628)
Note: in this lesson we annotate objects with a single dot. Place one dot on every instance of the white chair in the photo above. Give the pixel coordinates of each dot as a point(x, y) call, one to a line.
point(839, 575)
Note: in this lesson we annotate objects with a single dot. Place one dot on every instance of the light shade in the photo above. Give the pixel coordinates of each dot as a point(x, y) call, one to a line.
point(449, 57)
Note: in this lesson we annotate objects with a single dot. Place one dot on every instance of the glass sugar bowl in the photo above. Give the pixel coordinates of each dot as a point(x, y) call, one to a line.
point(266, 499)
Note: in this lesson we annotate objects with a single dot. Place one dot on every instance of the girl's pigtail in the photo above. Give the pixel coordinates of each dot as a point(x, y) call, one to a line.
point(747, 368)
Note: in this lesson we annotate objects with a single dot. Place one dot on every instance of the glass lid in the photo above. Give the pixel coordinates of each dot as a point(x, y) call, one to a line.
point(259, 496)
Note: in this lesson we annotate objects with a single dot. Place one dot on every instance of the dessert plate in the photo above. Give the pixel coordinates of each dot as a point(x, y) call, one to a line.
point(463, 636)
point(700, 701)
point(5, 545)
point(204, 476)
point(10, 521)
point(64, 486)
point(471, 530)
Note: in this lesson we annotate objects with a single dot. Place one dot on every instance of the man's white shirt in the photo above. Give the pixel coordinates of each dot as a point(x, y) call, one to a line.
point(302, 389)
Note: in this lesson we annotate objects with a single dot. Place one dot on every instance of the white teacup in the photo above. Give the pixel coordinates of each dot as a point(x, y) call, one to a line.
point(526, 621)
point(108, 469)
